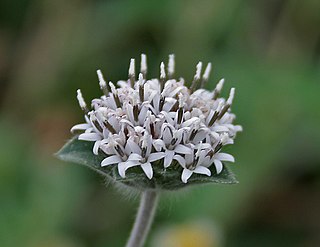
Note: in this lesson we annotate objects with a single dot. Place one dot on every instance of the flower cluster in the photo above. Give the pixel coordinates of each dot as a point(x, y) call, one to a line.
point(148, 120)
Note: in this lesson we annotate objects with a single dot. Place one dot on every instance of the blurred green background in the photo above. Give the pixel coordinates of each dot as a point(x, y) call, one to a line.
point(268, 49)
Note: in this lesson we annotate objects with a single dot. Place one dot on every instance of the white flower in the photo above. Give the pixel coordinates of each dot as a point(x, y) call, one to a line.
point(194, 163)
point(141, 156)
point(149, 120)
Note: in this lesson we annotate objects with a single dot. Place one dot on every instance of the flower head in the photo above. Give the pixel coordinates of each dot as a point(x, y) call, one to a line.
point(147, 122)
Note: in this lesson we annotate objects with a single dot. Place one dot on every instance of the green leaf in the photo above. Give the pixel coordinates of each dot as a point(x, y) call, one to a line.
point(80, 152)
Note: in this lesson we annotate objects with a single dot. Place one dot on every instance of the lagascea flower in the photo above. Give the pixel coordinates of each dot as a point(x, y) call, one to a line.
point(144, 122)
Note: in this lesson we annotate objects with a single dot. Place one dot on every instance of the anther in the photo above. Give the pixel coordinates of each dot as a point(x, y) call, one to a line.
point(218, 89)
point(180, 110)
point(82, 103)
point(132, 74)
point(228, 104)
point(143, 65)
point(141, 87)
point(162, 76)
point(102, 83)
point(197, 77)
point(206, 75)
point(171, 65)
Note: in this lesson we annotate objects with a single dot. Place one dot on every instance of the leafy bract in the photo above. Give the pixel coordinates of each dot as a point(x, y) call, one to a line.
point(80, 152)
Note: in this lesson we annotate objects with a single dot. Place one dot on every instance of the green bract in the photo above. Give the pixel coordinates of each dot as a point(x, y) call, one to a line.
point(80, 152)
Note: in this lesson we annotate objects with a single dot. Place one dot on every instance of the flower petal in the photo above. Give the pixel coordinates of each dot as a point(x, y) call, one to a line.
point(147, 168)
point(200, 136)
point(89, 130)
point(224, 157)
point(96, 147)
point(218, 165)
point(89, 137)
point(186, 174)
point(83, 126)
point(181, 160)
point(114, 159)
point(182, 149)
point(123, 166)
point(129, 109)
point(167, 135)
point(134, 157)
point(202, 170)
point(168, 158)
point(156, 156)
point(158, 144)
point(189, 158)
point(219, 128)
point(133, 147)
point(189, 122)
point(142, 115)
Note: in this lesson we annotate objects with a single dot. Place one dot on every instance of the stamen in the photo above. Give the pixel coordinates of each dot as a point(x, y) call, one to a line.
point(109, 126)
point(193, 134)
point(152, 130)
point(141, 87)
point(231, 96)
point(197, 77)
point(198, 71)
point(218, 89)
point(96, 123)
point(199, 150)
point(151, 120)
point(162, 76)
point(132, 74)
point(224, 139)
point(228, 104)
point(143, 65)
point(135, 98)
point(115, 94)
point(144, 144)
point(181, 100)
point(161, 103)
point(102, 83)
point(206, 75)
point(180, 110)
point(218, 147)
point(143, 152)
point(173, 141)
point(126, 132)
point(136, 113)
point(216, 114)
point(171, 65)
point(175, 107)
point(210, 154)
point(82, 103)
point(144, 140)
point(195, 129)
point(119, 150)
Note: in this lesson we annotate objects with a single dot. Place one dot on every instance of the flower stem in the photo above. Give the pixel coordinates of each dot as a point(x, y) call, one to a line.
point(141, 227)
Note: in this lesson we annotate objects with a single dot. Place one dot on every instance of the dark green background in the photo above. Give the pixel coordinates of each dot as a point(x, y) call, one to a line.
point(269, 50)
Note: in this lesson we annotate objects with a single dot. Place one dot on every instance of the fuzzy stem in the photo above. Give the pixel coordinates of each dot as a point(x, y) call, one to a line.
point(141, 227)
